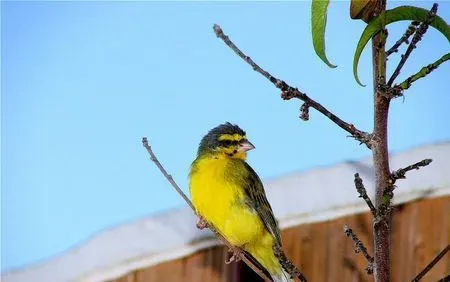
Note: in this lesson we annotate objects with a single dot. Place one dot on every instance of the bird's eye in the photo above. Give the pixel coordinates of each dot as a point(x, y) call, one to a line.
point(227, 142)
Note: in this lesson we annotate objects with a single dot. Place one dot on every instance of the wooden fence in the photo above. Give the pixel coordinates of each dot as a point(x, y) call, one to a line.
point(421, 229)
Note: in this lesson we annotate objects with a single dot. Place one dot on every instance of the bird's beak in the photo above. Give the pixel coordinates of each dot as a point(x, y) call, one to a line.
point(246, 146)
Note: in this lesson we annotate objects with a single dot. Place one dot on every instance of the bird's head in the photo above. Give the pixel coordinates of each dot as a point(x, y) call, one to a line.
point(226, 140)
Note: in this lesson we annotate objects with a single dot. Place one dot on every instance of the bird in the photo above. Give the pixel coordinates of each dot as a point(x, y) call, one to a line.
point(228, 194)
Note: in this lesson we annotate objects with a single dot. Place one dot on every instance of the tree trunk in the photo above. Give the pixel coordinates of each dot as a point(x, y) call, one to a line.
point(382, 223)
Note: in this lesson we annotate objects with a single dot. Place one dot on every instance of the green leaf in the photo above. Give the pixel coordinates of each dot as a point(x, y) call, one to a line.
point(402, 13)
point(318, 23)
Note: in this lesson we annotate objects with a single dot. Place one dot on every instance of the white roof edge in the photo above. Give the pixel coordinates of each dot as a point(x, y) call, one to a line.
point(153, 240)
point(358, 208)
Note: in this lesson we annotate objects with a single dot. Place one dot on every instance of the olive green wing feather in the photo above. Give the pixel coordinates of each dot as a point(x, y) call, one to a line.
point(257, 200)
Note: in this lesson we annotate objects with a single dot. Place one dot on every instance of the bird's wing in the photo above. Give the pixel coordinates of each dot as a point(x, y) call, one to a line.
point(257, 200)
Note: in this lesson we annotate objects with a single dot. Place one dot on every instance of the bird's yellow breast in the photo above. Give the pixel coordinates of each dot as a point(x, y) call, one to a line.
point(216, 186)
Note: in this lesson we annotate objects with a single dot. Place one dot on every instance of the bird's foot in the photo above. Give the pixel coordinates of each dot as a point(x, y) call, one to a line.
point(237, 252)
point(201, 223)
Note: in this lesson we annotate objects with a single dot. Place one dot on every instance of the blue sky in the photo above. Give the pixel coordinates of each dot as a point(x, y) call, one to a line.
point(82, 82)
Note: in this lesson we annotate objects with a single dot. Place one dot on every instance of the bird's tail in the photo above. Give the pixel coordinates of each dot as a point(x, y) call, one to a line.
point(283, 277)
point(257, 263)
point(276, 266)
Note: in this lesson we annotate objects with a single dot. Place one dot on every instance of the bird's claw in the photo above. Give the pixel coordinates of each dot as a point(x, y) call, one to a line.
point(201, 223)
point(236, 255)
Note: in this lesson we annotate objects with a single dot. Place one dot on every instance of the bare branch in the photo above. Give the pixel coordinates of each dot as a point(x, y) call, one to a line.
point(400, 173)
point(398, 89)
point(404, 39)
point(164, 172)
point(236, 254)
point(359, 248)
point(287, 265)
point(363, 194)
point(385, 207)
point(288, 92)
point(416, 38)
point(431, 264)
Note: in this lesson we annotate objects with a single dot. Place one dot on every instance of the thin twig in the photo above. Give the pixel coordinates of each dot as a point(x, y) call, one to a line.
point(359, 248)
point(178, 189)
point(404, 39)
point(416, 38)
point(287, 265)
point(398, 89)
point(400, 173)
point(363, 194)
point(431, 264)
point(164, 172)
point(288, 92)
point(388, 193)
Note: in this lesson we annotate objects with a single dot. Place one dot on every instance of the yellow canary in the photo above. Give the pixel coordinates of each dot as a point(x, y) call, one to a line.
point(228, 194)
